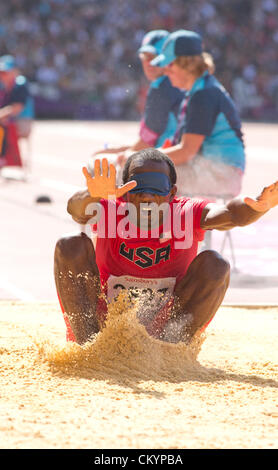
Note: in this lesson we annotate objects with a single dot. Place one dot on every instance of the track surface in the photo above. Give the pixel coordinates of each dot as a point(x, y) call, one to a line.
point(58, 151)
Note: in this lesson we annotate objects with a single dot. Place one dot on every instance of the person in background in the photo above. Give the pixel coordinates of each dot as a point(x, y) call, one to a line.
point(159, 119)
point(208, 148)
point(16, 111)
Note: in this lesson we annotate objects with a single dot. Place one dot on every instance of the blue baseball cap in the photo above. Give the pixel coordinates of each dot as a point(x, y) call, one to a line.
point(153, 41)
point(179, 43)
point(7, 62)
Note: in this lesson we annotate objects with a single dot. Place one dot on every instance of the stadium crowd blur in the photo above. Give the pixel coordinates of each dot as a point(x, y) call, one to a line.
point(80, 55)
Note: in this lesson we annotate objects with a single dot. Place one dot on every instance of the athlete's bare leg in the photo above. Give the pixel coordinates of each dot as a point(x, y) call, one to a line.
point(198, 296)
point(77, 283)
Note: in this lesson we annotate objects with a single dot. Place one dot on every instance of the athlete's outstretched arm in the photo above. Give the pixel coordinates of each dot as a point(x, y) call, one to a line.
point(100, 186)
point(240, 211)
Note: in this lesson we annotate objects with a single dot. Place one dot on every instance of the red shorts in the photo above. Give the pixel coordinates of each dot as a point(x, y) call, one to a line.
point(9, 149)
point(154, 329)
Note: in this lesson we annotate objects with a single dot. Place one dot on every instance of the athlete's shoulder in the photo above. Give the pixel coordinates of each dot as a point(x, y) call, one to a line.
point(180, 205)
point(185, 203)
point(181, 200)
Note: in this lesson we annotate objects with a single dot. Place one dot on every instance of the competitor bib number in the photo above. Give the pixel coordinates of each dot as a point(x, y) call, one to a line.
point(151, 294)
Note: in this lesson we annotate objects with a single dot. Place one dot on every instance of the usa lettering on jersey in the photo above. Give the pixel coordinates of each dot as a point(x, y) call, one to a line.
point(144, 256)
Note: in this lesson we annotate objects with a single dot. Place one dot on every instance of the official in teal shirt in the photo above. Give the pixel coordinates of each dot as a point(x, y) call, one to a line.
point(208, 147)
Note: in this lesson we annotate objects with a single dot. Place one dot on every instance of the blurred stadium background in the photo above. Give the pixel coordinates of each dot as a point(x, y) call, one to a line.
point(89, 89)
point(80, 55)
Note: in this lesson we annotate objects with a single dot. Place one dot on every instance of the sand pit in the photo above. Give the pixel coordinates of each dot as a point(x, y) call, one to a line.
point(133, 392)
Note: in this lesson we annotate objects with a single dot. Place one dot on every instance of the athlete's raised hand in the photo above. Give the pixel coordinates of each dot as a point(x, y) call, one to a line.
point(103, 184)
point(266, 200)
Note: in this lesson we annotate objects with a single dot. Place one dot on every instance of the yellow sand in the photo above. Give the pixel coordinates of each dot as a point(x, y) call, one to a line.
point(127, 390)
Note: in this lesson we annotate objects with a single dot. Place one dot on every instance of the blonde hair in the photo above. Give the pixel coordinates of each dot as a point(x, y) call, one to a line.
point(197, 64)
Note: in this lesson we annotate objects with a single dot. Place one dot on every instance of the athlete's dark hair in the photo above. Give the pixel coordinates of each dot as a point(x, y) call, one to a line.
point(147, 155)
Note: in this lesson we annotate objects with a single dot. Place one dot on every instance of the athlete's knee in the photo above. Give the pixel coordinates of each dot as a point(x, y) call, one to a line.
point(73, 248)
point(213, 267)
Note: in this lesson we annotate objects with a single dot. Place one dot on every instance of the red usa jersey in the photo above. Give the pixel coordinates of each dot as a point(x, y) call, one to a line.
point(152, 259)
point(145, 264)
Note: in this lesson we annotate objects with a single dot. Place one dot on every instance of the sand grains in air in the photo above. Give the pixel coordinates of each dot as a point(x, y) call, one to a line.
point(123, 348)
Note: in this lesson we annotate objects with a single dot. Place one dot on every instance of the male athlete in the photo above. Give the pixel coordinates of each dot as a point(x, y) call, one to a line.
point(178, 291)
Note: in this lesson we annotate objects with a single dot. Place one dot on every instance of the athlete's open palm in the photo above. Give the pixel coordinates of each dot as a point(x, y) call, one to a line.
point(103, 184)
point(266, 200)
